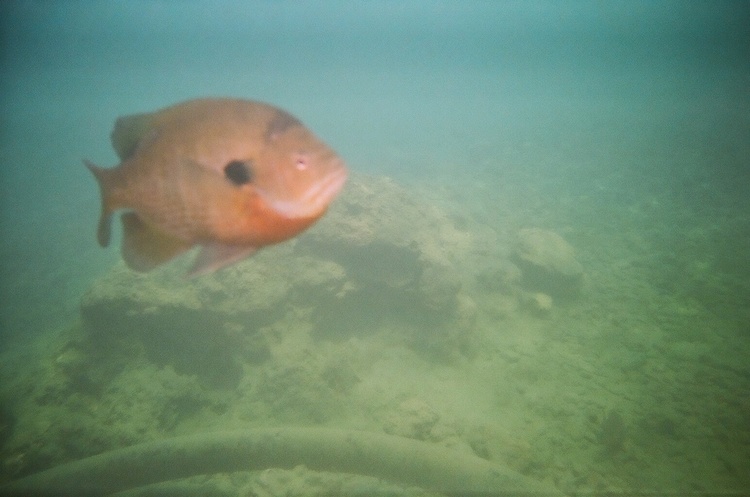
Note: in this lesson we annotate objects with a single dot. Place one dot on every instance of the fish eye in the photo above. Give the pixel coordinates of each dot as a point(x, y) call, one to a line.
point(239, 172)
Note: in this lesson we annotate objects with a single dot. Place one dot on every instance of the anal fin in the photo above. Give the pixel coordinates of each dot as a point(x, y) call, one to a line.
point(144, 248)
point(216, 256)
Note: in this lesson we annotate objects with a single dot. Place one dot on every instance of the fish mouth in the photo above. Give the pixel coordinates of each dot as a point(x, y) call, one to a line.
point(316, 198)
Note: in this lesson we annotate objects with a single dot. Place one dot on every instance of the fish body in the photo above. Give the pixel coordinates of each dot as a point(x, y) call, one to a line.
point(228, 175)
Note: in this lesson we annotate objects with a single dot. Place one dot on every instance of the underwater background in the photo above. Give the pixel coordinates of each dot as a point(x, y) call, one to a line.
point(542, 257)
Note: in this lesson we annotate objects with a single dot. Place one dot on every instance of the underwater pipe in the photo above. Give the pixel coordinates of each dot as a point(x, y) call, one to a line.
point(392, 458)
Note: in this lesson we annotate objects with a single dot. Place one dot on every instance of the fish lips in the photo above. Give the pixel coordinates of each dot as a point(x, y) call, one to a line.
point(314, 201)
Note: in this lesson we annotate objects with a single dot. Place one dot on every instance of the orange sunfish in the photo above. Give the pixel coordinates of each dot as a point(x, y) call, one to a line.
point(228, 175)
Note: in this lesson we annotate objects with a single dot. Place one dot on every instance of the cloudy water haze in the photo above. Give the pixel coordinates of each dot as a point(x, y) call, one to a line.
point(540, 259)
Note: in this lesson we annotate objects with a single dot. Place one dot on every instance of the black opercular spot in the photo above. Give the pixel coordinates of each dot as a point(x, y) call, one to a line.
point(239, 172)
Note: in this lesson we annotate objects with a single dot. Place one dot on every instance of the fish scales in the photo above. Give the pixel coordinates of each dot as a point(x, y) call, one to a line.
point(227, 175)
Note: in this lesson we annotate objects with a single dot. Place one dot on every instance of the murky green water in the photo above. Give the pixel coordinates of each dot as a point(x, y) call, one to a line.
point(610, 353)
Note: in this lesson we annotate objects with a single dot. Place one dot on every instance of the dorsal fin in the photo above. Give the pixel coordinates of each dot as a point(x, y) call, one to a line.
point(144, 248)
point(128, 133)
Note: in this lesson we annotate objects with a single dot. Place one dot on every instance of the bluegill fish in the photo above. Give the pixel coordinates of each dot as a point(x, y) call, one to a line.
point(227, 175)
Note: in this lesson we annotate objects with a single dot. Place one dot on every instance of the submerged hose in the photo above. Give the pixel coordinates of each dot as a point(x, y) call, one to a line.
point(392, 458)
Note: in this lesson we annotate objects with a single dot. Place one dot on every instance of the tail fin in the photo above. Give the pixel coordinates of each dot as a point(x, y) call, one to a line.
point(102, 176)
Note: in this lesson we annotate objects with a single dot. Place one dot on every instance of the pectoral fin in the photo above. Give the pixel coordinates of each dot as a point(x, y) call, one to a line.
point(216, 256)
point(105, 181)
point(144, 248)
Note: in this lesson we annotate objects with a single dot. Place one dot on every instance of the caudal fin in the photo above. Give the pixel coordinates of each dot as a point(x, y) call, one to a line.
point(104, 230)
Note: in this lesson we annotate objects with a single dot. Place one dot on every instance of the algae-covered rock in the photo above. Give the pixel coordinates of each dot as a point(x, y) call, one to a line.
point(414, 418)
point(380, 257)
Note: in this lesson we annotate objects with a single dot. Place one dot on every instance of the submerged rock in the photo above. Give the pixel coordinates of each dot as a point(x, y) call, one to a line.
point(539, 303)
point(379, 258)
point(414, 418)
point(547, 263)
